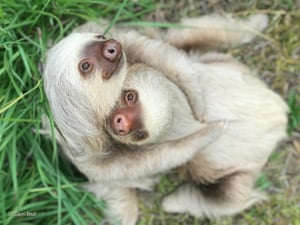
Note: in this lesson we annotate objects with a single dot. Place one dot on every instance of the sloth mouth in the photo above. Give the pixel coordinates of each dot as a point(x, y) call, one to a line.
point(111, 68)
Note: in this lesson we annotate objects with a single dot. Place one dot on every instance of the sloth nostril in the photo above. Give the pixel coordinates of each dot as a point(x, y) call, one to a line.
point(111, 50)
point(111, 53)
point(121, 124)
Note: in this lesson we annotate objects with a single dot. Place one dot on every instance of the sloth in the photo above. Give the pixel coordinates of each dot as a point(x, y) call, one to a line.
point(81, 96)
point(220, 178)
point(86, 83)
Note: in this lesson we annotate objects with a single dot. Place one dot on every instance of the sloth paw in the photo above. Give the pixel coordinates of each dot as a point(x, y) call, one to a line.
point(171, 204)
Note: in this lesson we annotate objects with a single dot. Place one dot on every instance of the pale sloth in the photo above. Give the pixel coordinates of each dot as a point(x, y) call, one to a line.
point(220, 177)
point(90, 81)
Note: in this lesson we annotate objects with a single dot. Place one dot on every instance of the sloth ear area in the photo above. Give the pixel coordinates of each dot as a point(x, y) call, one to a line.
point(101, 37)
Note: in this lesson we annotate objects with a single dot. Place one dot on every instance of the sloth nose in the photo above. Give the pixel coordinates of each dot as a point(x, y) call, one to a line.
point(111, 50)
point(121, 124)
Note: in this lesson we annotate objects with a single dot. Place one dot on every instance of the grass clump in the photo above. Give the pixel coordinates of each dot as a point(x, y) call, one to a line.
point(36, 185)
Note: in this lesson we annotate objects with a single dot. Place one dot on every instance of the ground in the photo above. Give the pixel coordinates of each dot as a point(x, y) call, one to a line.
point(40, 187)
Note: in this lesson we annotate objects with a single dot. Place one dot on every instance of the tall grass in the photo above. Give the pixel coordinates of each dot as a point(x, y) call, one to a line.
point(36, 185)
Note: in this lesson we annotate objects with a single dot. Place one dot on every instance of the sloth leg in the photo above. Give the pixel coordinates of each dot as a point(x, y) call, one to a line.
point(226, 197)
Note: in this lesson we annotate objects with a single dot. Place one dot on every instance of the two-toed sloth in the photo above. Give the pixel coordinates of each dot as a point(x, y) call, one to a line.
point(220, 178)
point(125, 111)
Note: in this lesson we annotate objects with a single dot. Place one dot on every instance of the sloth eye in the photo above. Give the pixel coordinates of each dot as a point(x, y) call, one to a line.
point(130, 97)
point(85, 66)
point(140, 135)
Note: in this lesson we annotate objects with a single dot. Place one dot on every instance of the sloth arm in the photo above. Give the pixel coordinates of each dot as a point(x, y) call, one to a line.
point(149, 160)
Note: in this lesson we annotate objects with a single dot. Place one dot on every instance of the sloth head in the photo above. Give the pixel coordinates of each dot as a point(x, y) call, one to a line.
point(83, 77)
point(143, 113)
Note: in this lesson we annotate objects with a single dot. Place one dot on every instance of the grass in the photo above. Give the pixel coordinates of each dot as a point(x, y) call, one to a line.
point(38, 186)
